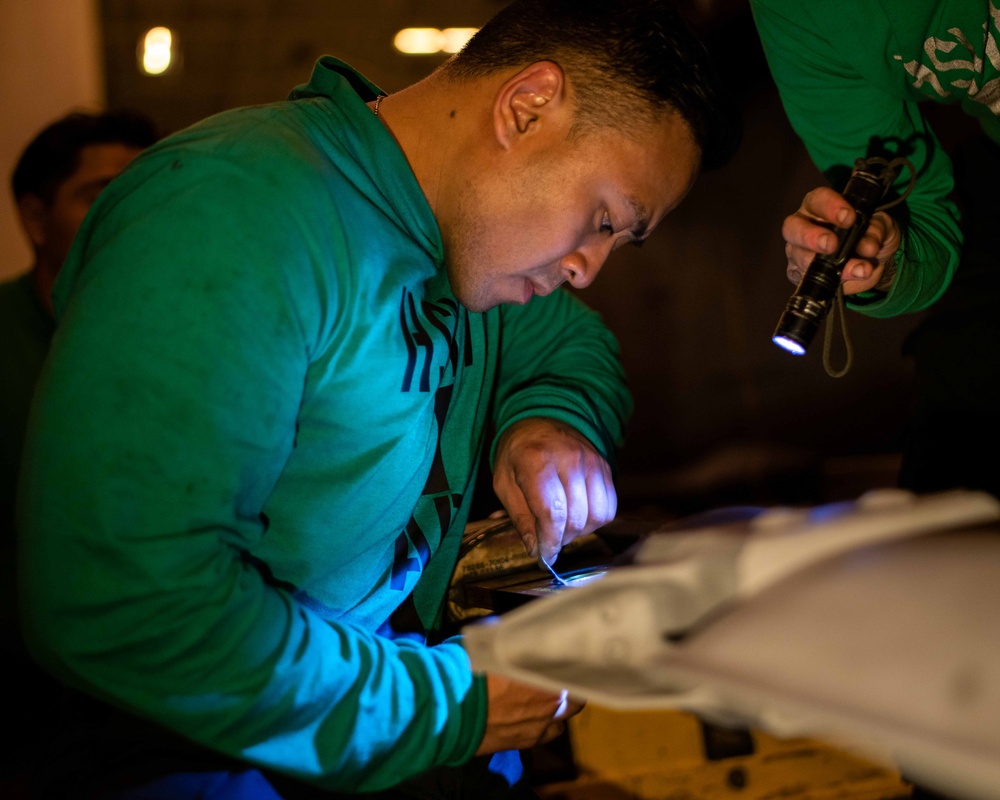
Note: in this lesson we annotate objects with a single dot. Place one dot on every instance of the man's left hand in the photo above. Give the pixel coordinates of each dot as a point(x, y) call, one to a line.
point(553, 483)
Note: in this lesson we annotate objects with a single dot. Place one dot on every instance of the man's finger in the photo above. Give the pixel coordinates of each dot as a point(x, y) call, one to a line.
point(546, 500)
point(579, 511)
point(825, 205)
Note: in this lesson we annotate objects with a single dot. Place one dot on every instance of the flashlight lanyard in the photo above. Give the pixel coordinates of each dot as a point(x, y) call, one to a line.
point(838, 308)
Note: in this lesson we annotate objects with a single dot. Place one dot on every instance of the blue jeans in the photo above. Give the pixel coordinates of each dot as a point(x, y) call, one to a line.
point(480, 779)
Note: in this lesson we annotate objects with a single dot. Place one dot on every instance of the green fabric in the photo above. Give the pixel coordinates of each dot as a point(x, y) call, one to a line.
point(851, 75)
point(25, 332)
point(256, 441)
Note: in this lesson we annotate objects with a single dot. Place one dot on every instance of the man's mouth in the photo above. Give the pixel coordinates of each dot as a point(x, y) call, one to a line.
point(532, 288)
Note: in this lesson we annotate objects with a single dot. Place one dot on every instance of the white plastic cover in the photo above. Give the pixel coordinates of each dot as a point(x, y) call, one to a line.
point(875, 623)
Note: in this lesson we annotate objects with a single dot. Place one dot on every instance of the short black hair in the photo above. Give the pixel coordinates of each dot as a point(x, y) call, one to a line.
point(54, 154)
point(617, 54)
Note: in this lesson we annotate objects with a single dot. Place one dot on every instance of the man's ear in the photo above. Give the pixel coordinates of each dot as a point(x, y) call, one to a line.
point(535, 93)
point(33, 211)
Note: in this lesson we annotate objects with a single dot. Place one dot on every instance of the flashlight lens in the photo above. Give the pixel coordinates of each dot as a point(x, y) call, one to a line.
point(791, 346)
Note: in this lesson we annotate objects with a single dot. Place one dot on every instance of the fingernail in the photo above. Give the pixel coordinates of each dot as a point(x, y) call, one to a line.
point(842, 216)
point(859, 272)
point(826, 242)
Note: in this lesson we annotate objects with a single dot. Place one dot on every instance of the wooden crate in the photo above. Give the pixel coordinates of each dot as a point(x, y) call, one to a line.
point(672, 755)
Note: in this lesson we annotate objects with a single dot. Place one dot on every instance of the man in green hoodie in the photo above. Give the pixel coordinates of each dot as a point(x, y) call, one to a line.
point(286, 335)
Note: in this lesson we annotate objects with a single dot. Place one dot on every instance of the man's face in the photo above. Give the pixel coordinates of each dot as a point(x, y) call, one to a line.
point(52, 226)
point(553, 213)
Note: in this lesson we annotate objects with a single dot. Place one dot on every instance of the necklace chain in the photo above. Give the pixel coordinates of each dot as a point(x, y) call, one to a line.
point(377, 101)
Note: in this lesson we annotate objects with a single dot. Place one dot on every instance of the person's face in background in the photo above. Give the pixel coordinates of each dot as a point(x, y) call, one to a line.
point(52, 226)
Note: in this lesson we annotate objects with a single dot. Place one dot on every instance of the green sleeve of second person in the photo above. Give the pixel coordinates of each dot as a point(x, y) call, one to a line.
point(835, 94)
point(164, 417)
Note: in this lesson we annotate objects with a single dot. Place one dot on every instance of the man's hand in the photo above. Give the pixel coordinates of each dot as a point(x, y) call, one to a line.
point(553, 483)
point(807, 232)
point(518, 716)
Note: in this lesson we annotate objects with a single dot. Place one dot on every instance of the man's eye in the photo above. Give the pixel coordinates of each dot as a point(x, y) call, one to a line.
point(606, 226)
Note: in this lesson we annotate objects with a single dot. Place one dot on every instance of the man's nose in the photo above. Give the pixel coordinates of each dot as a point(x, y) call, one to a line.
point(582, 265)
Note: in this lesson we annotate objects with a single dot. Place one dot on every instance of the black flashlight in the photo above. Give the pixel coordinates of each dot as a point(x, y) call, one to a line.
point(813, 297)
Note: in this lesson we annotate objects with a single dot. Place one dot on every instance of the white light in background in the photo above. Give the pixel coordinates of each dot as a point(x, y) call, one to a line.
point(157, 51)
point(425, 41)
point(455, 38)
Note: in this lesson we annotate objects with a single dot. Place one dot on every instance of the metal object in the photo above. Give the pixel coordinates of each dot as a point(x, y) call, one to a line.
point(814, 296)
point(555, 575)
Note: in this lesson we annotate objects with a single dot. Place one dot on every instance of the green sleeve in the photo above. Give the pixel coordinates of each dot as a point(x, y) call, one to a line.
point(163, 420)
point(575, 376)
point(838, 109)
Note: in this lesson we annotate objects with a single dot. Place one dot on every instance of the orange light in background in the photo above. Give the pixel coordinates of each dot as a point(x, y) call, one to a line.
point(426, 41)
point(418, 41)
point(157, 51)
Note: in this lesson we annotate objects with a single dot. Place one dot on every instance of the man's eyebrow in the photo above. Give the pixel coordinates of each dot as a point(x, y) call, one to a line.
point(641, 216)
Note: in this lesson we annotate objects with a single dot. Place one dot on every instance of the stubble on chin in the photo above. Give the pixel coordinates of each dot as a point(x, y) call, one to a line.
point(471, 283)
point(463, 288)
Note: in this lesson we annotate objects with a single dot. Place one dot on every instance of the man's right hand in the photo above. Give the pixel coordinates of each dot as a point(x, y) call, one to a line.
point(808, 232)
point(519, 716)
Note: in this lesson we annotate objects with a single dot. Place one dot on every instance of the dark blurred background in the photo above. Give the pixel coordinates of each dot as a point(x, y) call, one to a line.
point(722, 415)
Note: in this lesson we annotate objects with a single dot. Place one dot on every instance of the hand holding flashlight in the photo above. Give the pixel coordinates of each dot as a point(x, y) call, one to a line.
point(811, 231)
point(837, 251)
